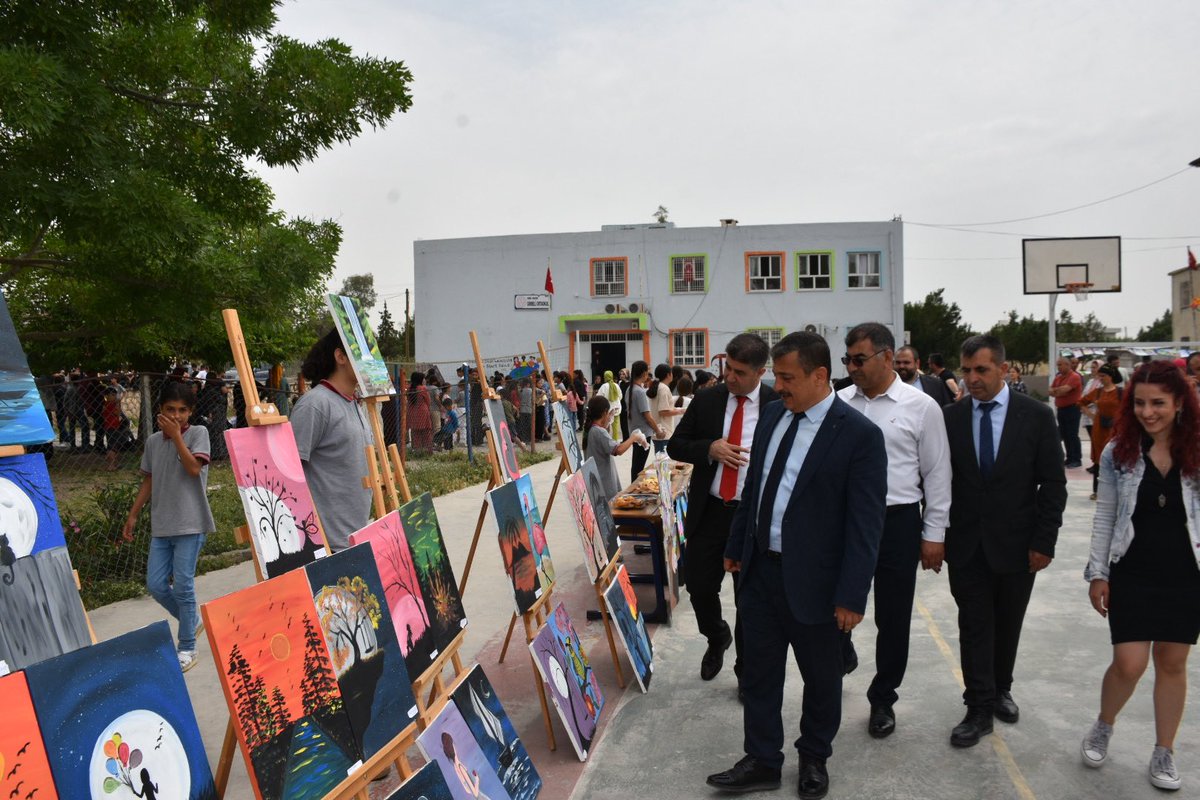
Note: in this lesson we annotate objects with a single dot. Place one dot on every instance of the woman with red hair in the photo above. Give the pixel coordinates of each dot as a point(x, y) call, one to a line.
point(1143, 563)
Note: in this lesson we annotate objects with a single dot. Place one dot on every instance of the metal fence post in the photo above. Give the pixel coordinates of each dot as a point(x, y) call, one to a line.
point(145, 414)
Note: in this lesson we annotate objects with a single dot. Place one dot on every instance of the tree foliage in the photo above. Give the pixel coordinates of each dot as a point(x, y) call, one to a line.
point(362, 289)
point(390, 344)
point(1160, 330)
point(129, 214)
point(1088, 329)
point(936, 326)
point(1025, 340)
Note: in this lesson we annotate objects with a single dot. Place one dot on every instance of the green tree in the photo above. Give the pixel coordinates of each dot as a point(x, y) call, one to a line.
point(1025, 340)
point(1088, 329)
point(1159, 331)
point(362, 289)
point(129, 211)
point(936, 326)
point(390, 344)
point(660, 214)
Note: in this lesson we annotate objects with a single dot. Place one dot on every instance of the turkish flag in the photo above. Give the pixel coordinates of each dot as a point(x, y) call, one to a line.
point(1191, 260)
point(549, 281)
point(689, 270)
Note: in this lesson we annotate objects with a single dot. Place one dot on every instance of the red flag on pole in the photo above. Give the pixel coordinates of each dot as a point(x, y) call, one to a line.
point(549, 281)
point(1191, 260)
point(689, 270)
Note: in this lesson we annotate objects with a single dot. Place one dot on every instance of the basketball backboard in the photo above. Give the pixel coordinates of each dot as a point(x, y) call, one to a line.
point(1051, 264)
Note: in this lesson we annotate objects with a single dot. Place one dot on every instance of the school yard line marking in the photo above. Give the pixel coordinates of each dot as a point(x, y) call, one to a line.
point(998, 744)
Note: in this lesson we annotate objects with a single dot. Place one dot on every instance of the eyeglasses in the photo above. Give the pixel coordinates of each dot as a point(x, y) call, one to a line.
point(859, 360)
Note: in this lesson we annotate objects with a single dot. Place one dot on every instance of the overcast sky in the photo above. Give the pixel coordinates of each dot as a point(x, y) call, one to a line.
point(542, 117)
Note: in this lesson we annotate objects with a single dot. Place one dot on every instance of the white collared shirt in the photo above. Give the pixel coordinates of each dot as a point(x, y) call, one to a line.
point(806, 432)
point(999, 415)
point(918, 450)
point(749, 422)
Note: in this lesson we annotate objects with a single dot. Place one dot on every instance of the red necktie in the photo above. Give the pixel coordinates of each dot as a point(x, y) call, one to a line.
point(729, 477)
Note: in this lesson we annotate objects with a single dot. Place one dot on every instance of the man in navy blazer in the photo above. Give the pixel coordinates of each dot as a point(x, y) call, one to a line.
point(805, 538)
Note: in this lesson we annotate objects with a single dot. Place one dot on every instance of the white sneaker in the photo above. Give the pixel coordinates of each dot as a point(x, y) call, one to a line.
point(1162, 769)
point(187, 659)
point(1095, 744)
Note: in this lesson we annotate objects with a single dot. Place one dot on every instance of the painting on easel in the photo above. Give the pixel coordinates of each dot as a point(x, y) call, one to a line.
point(279, 507)
point(448, 742)
point(117, 720)
point(41, 614)
point(568, 435)
point(401, 587)
point(23, 418)
point(427, 783)
point(438, 585)
point(353, 613)
point(537, 533)
point(24, 765)
point(360, 344)
point(29, 521)
point(631, 625)
point(510, 469)
point(602, 510)
point(480, 706)
point(565, 670)
point(516, 546)
point(595, 557)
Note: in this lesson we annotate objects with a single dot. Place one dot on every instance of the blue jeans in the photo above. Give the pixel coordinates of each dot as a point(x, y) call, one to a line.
point(171, 580)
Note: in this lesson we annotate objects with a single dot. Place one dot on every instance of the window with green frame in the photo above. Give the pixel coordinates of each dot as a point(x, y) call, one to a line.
point(814, 270)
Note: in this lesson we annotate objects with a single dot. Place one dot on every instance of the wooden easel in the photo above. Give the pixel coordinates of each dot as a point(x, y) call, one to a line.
point(534, 619)
point(603, 581)
point(564, 466)
point(497, 477)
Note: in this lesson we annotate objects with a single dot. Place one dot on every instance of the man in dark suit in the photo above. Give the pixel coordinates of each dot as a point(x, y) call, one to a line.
point(805, 539)
point(908, 365)
point(1008, 492)
point(713, 436)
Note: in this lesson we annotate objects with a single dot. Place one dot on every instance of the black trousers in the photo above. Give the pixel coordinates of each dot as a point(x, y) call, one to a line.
point(769, 629)
point(1068, 430)
point(704, 570)
point(991, 610)
point(639, 454)
point(895, 584)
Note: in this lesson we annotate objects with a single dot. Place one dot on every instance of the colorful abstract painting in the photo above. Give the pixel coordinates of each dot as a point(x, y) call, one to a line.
point(281, 688)
point(569, 679)
point(24, 766)
point(279, 508)
point(568, 435)
point(510, 468)
point(405, 600)
point(516, 546)
point(360, 344)
point(41, 615)
point(117, 721)
point(595, 557)
point(434, 573)
point(427, 783)
point(602, 509)
point(23, 418)
point(352, 610)
point(448, 742)
point(29, 521)
point(681, 516)
point(631, 625)
point(497, 739)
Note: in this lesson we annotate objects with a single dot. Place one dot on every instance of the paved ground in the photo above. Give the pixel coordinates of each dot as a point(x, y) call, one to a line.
point(662, 744)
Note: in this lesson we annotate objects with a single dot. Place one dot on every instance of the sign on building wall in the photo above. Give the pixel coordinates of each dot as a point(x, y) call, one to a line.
point(532, 302)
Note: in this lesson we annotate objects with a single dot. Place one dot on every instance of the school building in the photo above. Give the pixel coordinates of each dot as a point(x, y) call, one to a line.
point(1185, 317)
point(656, 292)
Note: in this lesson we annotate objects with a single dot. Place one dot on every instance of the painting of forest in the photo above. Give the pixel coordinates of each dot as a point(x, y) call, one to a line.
point(448, 742)
point(405, 600)
point(284, 527)
point(631, 625)
point(510, 469)
point(602, 509)
point(372, 677)
point(41, 614)
point(428, 783)
point(595, 557)
point(282, 690)
point(566, 672)
point(24, 766)
point(516, 548)
point(360, 344)
point(29, 521)
point(480, 706)
point(568, 435)
point(434, 573)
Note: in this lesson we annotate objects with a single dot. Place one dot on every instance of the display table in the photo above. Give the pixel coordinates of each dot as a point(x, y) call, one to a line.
point(645, 524)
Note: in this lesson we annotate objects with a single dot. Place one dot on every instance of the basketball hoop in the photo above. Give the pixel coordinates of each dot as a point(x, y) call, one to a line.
point(1080, 290)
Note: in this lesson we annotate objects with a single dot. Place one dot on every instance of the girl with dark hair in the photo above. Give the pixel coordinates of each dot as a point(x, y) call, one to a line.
point(420, 421)
point(1143, 562)
point(662, 402)
point(601, 447)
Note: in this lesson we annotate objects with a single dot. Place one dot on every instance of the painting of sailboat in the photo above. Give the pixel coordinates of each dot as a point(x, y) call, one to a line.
point(480, 706)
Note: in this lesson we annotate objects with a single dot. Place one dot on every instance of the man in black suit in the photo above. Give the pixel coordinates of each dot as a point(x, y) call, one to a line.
point(805, 539)
point(1007, 497)
point(713, 436)
point(908, 365)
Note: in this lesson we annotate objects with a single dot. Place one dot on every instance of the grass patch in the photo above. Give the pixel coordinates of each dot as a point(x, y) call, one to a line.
point(442, 473)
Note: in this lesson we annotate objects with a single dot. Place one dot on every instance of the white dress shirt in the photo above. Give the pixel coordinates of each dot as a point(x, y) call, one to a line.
point(918, 450)
point(999, 415)
point(749, 422)
point(806, 431)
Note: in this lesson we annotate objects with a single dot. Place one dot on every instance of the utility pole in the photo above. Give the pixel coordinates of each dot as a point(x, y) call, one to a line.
point(408, 350)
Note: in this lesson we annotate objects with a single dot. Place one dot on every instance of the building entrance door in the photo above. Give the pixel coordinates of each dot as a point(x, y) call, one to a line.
point(608, 356)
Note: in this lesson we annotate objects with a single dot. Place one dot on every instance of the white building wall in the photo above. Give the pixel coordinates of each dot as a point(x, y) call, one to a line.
point(465, 284)
point(1185, 321)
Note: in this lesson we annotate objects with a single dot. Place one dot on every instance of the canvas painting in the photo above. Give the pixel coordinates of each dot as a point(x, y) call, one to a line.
point(631, 625)
point(568, 435)
point(568, 677)
point(427, 783)
point(41, 615)
point(681, 516)
point(402, 590)
point(510, 469)
point(537, 533)
point(353, 613)
point(281, 688)
point(602, 509)
point(434, 573)
point(29, 521)
point(516, 546)
point(24, 765)
point(118, 723)
point(595, 557)
point(666, 501)
point(360, 344)
point(497, 739)
point(284, 527)
point(23, 418)
point(449, 743)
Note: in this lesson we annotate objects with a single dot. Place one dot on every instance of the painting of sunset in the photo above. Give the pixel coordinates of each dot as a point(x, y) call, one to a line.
point(281, 688)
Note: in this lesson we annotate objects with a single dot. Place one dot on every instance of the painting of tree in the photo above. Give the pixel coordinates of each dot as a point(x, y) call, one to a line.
point(434, 573)
point(516, 547)
point(595, 557)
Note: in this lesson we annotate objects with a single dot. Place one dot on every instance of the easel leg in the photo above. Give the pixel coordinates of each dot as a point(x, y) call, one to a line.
point(462, 583)
point(537, 680)
point(512, 623)
point(562, 469)
point(612, 643)
point(225, 763)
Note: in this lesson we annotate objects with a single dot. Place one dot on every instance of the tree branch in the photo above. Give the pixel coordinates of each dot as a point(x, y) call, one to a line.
point(153, 100)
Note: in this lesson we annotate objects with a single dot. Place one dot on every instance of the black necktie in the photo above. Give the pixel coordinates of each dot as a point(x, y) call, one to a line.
point(766, 506)
point(987, 450)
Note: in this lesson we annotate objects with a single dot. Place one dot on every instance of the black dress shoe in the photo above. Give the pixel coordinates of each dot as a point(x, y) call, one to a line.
point(977, 723)
point(1006, 708)
point(748, 775)
point(883, 722)
point(714, 657)
point(814, 779)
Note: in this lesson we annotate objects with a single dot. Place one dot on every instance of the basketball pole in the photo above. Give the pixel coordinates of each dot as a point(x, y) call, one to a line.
point(1051, 355)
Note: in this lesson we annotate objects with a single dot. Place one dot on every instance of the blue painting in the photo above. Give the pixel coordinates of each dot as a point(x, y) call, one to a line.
point(427, 784)
point(29, 521)
point(537, 534)
point(449, 742)
point(480, 706)
point(353, 612)
point(631, 626)
point(118, 723)
point(23, 418)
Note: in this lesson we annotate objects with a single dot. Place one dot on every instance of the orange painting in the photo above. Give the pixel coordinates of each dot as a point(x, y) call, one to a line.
point(24, 768)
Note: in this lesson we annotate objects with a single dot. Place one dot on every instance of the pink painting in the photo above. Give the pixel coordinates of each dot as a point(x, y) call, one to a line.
point(283, 522)
point(405, 601)
point(595, 558)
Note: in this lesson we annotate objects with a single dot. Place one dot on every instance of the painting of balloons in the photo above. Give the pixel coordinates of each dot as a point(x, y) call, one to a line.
point(29, 521)
point(631, 626)
point(118, 722)
point(284, 527)
point(41, 614)
point(23, 418)
point(24, 767)
point(568, 678)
